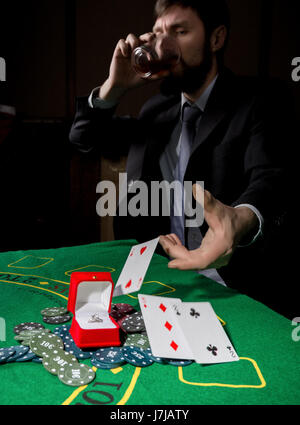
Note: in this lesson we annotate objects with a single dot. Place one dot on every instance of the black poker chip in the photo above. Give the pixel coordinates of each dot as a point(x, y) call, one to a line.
point(133, 323)
point(27, 326)
point(54, 320)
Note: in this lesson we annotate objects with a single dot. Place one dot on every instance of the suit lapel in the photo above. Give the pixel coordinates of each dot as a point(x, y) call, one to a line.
point(217, 108)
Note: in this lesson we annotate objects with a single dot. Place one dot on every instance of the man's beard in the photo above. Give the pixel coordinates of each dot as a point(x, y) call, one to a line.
point(191, 79)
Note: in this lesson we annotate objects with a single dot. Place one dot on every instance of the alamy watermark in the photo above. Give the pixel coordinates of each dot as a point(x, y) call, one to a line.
point(296, 70)
point(2, 329)
point(2, 69)
point(296, 331)
point(165, 198)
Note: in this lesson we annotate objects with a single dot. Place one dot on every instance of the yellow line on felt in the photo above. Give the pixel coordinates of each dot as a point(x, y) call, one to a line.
point(121, 402)
point(33, 275)
point(36, 287)
point(68, 272)
point(214, 384)
point(131, 387)
point(116, 370)
point(35, 267)
point(160, 293)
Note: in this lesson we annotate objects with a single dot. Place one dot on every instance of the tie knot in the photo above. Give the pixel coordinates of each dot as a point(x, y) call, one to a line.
point(190, 114)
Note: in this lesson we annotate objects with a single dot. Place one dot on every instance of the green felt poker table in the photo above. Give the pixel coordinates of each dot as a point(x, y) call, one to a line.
point(267, 373)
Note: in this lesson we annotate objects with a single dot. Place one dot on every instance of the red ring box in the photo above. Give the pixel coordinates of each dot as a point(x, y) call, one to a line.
point(89, 300)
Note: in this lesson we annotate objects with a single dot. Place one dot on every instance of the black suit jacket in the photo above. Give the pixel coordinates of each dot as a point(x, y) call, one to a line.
point(240, 152)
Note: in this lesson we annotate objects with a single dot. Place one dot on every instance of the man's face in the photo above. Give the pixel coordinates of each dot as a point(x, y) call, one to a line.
point(188, 29)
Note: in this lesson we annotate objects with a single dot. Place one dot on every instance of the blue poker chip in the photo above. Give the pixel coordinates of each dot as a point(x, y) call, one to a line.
point(5, 353)
point(160, 360)
point(178, 362)
point(102, 365)
point(137, 356)
point(30, 355)
point(110, 355)
point(20, 351)
point(72, 348)
point(37, 359)
point(62, 331)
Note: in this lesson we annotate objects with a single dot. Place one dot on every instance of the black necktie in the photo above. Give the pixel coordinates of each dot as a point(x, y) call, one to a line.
point(190, 114)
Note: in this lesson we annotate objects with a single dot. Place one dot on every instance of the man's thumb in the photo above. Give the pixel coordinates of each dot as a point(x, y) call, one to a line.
point(204, 197)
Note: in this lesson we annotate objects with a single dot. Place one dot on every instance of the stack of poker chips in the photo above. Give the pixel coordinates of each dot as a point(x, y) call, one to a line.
point(60, 356)
point(42, 346)
point(55, 315)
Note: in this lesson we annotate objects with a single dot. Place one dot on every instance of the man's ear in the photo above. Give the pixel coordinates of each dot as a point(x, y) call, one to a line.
point(218, 38)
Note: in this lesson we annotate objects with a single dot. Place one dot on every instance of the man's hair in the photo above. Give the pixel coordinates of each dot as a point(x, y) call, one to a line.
point(213, 13)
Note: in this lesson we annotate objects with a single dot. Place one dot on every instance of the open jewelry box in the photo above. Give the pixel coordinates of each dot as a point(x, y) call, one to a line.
point(89, 300)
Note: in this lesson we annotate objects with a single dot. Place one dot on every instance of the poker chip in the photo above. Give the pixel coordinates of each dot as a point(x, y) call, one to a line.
point(62, 330)
point(32, 332)
point(178, 362)
point(26, 342)
point(5, 353)
point(159, 360)
point(37, 359)
point(27, 326)
point(76, 374)
point(54, 320)
point(137, 340)
point(78, 352)
point(101, 365)
point(124, 308)
point(110, 355)
point(53, 311)
point(46, 343)
point(52, 362)
point(72, 348)
point(25, 336)
point(27, 357)
point(134, 323)
point(121, 320)
point(116, 315)
point(20, 351)
point(19, 338)
point(137, 357)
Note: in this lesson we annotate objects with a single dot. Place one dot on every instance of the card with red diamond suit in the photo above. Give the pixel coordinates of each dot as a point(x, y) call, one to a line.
point(185, 330)
point(135, 268)
point(165, 335)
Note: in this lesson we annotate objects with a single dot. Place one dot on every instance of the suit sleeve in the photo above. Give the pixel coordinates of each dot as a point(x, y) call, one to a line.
point(99, 130)
point(267, 155)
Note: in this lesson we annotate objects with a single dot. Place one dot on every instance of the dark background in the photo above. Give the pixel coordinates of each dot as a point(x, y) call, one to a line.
point(58, 49)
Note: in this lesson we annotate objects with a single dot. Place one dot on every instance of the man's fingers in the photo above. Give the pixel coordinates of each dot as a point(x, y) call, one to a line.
point(175, 238)
point(166, 243)
point(122, 47)
point(133, 41)
point(179, 264)
point(147, 37)
point(171, 238)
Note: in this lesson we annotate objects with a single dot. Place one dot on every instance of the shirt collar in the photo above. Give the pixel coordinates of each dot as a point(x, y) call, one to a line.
point(201, 102)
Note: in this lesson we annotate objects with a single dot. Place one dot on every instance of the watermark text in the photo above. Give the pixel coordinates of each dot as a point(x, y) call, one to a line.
point(2, 69)
point(296, 70)
point(165, 199)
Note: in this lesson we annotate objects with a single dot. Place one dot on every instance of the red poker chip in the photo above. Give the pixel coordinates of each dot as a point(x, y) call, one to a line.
point(117, 315)
point(124, 308)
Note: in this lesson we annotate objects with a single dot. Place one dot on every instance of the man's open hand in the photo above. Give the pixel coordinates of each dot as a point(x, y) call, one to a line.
point(227, 226)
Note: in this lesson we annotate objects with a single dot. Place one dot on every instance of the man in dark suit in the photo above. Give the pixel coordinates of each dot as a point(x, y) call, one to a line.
point(235, 150)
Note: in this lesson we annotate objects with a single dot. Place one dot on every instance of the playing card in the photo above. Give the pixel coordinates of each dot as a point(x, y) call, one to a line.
point(205, 334)
point(135, 268)
point(165, 335)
